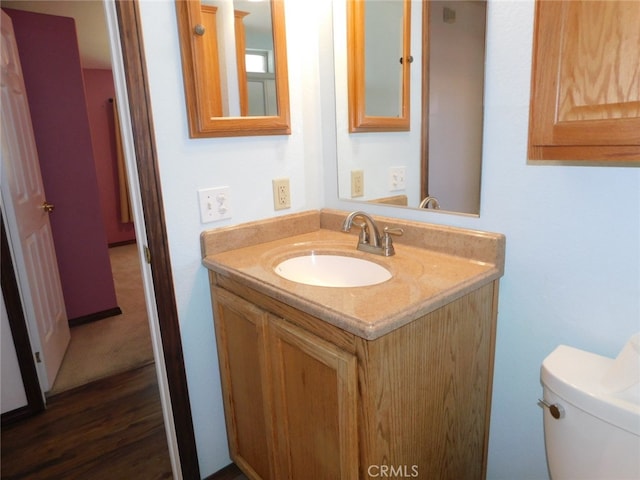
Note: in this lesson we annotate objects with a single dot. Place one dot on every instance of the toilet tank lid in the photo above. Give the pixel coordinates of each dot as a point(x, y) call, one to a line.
point(576, 376)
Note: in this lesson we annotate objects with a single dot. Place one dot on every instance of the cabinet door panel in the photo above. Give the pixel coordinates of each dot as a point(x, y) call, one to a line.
point(585, 100)
point(315, 385)
point(598, 76)
point(241, 335)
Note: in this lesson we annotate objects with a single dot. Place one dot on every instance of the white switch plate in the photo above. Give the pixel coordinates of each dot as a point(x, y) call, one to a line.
point(397, 178)
point(215, 204)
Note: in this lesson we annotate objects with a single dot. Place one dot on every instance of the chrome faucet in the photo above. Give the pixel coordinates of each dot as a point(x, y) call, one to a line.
point(430, 202)
point(369, 239)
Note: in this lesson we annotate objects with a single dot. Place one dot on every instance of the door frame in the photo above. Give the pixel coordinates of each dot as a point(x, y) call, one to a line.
point(130, 78)
point(19, 334)
point(146, 160)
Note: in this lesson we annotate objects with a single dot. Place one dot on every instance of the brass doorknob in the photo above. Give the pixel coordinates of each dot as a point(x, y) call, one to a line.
point(48, 207)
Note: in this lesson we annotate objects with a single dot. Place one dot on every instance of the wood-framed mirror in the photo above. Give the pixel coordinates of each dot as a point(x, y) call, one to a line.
point(223, 99)
point(379, 65)
point(441, 154)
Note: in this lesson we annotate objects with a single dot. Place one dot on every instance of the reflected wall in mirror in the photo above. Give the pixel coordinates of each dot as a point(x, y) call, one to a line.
point(441, 155)
point(379, 64)
point(234, 64)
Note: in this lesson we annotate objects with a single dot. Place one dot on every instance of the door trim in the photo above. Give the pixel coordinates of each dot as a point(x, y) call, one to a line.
point(130, 32)
point(130, 38)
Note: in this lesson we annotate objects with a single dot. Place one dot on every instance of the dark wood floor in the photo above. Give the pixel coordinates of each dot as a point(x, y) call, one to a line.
point(110, 429)
point(230, 472)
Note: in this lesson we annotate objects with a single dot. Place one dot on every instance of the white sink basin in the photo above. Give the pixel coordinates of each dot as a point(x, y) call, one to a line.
point(332, 271)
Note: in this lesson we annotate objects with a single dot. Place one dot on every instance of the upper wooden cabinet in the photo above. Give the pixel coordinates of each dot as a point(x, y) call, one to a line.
point(585, 92)
point(222, 98)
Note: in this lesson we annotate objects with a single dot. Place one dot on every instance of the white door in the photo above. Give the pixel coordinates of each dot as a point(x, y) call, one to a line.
point(26, 214)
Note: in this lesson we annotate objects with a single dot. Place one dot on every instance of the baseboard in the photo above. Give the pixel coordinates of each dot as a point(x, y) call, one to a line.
point(122, 243)
point(230, 472)
point(112, 312)
point(20, 413)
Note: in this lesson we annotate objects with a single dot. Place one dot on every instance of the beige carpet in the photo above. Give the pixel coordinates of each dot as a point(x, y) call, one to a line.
point(115, 344)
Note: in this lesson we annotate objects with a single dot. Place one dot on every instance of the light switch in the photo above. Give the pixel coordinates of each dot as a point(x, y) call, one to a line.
point(215, 204)
point(397, 179)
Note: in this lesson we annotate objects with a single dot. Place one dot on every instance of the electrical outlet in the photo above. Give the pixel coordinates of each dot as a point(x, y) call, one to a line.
point(397, 178)
point(215, 204)
point(357, 183)
point(281, 194)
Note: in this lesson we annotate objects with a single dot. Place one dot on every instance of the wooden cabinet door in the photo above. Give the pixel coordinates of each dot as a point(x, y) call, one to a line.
point(315, 400)
point(241, 337)
point(585, 92)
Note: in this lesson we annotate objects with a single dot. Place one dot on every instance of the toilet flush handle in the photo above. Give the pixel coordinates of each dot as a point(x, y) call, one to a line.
point(555, 409)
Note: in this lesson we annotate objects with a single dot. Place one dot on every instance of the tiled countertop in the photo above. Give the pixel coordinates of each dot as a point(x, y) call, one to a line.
point(433, 266)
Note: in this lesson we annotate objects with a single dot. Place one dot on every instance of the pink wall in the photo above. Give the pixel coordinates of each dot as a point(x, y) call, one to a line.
point(99, 89)
point(51, 66)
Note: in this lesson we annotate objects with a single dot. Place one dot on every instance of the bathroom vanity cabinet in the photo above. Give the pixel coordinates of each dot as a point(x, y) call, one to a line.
point(305, 399)
point(290, 394)
point(585, 100)
point(388, 380)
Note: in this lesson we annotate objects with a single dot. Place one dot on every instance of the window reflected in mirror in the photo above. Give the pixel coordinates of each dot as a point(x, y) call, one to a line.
point(383, 58)
point(234, 66)
point(256, 65)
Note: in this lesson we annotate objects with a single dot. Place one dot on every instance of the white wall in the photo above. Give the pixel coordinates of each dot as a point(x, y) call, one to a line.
point(573, 264)
point(245, 164)
point(456, 92)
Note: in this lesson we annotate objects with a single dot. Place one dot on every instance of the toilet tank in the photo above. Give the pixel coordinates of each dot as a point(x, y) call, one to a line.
point(598, 435)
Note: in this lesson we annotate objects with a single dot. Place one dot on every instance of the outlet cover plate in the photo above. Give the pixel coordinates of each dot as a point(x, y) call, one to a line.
point(281, 194)
point(357, 183)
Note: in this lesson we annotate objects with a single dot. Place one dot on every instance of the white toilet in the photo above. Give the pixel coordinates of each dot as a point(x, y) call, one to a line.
point(592, 414)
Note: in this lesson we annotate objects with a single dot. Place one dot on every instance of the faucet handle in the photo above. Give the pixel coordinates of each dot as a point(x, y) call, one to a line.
point(387, 242)
point(363, 236)
point(393, 231)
